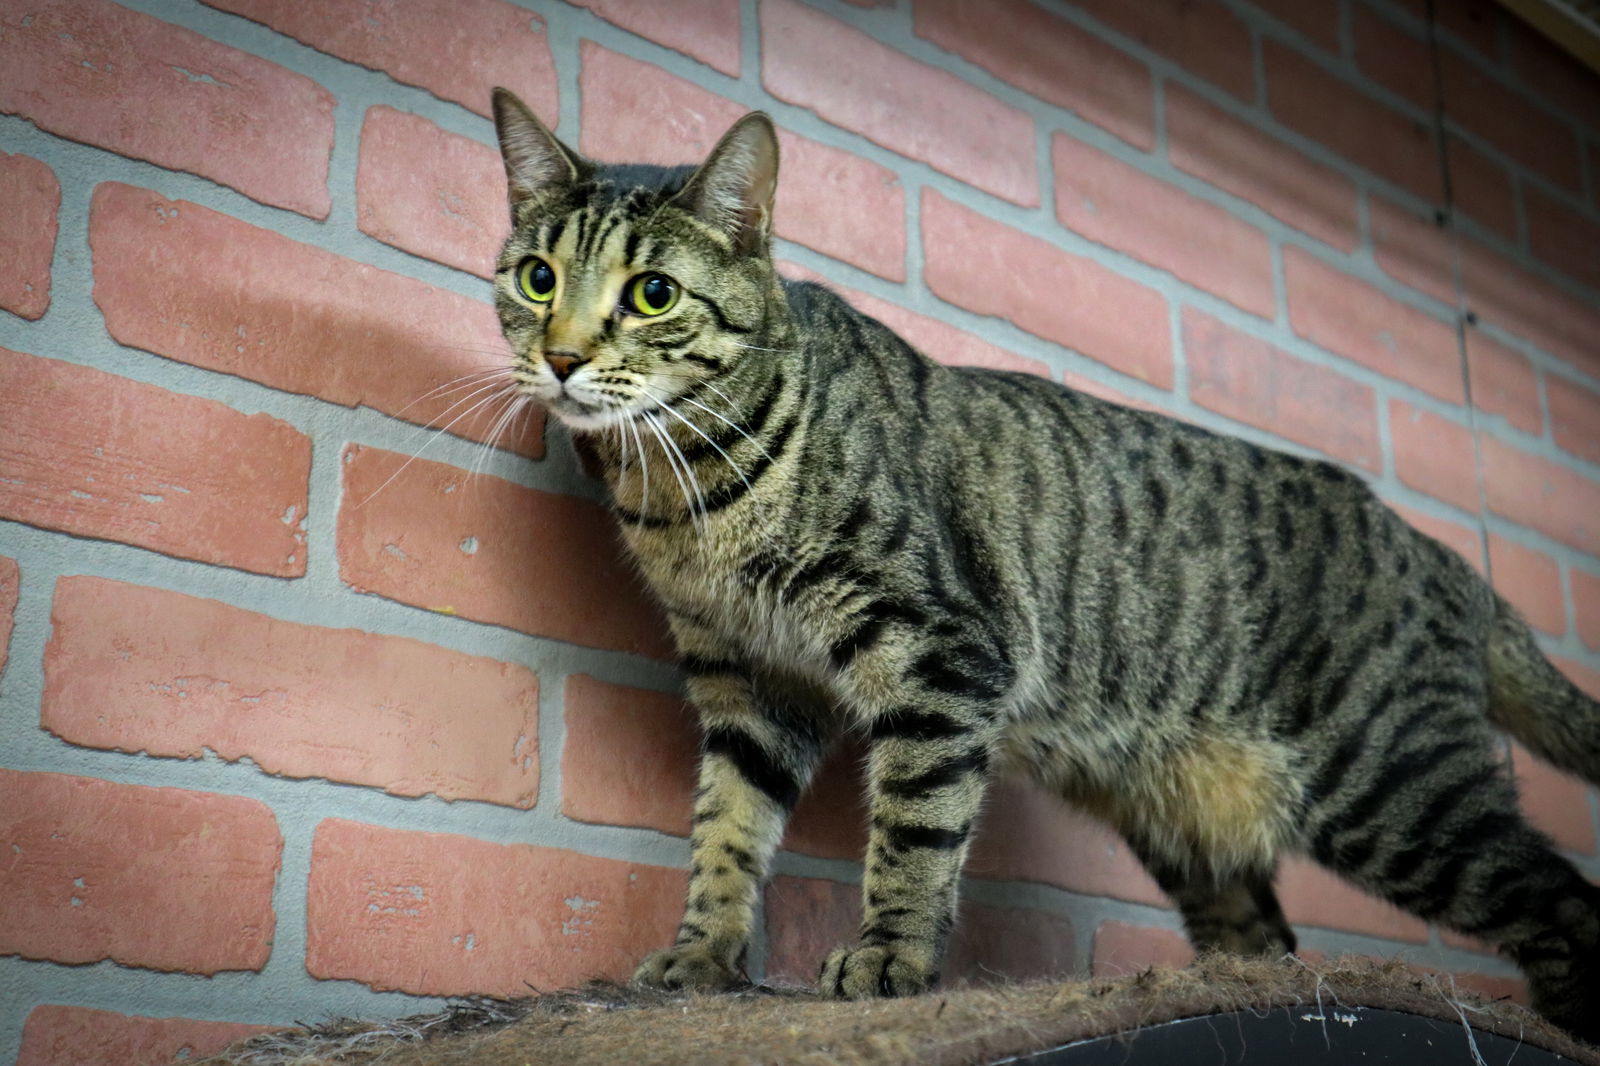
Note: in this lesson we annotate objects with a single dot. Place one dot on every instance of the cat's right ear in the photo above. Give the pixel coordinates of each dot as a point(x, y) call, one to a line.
point(535, 159)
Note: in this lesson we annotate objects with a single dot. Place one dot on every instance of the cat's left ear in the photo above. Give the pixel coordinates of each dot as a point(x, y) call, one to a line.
point(535, 160)
point(734, 188)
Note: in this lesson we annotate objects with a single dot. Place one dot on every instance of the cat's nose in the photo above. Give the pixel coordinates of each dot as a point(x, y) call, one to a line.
point(563, 363)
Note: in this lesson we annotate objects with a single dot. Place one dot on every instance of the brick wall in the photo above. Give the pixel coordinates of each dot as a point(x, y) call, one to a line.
point(290, 724)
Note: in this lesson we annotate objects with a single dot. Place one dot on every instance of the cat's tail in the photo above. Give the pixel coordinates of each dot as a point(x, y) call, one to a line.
point(1534, 702)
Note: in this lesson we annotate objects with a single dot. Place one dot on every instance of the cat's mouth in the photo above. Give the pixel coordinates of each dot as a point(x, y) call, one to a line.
point(591, 415)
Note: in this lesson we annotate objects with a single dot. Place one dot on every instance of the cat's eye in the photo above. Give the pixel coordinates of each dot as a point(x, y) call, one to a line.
point(536, 280)
point(650, 294)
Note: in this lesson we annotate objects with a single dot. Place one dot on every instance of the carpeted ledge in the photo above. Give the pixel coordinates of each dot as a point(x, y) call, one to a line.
point(604, 1024)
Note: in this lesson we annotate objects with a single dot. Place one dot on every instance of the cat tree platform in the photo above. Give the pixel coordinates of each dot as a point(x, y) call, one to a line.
point(1219, 1011)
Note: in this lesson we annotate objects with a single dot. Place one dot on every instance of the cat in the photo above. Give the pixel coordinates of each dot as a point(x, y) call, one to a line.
point(1223, 651)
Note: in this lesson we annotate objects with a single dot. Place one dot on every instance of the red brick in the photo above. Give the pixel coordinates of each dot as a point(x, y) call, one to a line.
point(1365, 131)
point(707, 30)
point(1317, 19)
point(201, 287)
point(830, 820)
point(1393, 56)
point(1200, 35)
point(459, 51)
point(71, 1036)
point(1122, 948)
point(1553, 73)
point(1313, 896)
point(1047, 57)
point(946, 343)
point(96, 455)
point(32, 196)
point(1247, 379)
point(1028, 834)
point(1503, 382)
point(1531, 581)
point(1489, 986)
point(1532, 490)
point(498, 553)
point(1563, 237)
point(1586, 607)
point(808, 917)
point(430, 192)
point(10, 587)
point(1584, 677)
point(1594, 172)
point(1433, 454)
point(1412, 249)
point(95, 72)
point(188, 676)
point(815, 61)
point(441, 915)
point(1211, 144)
point(1114, 203)
point(1472, 22)
point(1463, 540)
point(828, 199)
point(629, 756)
point(1454, 939)
point(1080, 383)
point(1481, 188)
point(90, 874)
point(1061, 297)
point(1521, 302)
point(1528, 133)
point(1574, 417)
point(1333, 310)
point(995, 945)
point(1555, 802)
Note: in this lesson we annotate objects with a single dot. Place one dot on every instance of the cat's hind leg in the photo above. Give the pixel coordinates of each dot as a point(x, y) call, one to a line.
point(1237, 913)
point(1434, 826)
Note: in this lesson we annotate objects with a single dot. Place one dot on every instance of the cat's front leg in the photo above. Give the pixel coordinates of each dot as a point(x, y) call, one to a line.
point(928, 773)
point(758, 755)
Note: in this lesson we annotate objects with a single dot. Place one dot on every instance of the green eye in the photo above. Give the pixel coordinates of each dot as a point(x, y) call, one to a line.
point(650, 294)
point(535, 280)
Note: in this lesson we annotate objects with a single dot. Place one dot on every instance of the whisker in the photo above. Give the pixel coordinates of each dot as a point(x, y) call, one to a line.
point(475, 377)
point(622, 445)
point(435, 435)
point(702, 434)
point(713, 412)
point(731, 423)
point(644, 466)
point(477, 392)
point(674, 457)
point(486, 449)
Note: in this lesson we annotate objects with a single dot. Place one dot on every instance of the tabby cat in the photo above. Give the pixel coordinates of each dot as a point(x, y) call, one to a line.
point(1223, 651)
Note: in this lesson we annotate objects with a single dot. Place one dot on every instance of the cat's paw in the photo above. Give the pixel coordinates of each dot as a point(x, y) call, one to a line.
point(687, 967)
point(871, 971)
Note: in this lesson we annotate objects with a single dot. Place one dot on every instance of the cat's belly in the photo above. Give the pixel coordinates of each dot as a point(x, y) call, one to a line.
point(1230, 801)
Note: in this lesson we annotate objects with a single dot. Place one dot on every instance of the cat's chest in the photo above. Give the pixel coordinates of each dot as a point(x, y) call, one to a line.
point(712, 584)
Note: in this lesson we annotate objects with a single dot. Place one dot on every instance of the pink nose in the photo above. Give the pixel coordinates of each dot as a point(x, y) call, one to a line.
point(562, 363)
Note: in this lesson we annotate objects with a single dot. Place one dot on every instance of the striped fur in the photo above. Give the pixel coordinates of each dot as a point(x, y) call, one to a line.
point(1223, 651)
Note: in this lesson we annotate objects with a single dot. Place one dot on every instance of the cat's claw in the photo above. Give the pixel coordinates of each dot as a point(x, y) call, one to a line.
point(687, 967)
point(872, 972)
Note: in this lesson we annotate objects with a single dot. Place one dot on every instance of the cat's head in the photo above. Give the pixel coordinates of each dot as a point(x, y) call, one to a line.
point(622, 288)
